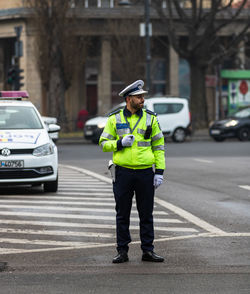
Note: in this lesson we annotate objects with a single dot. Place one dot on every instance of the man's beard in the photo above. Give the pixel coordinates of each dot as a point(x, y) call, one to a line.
point(137, 106)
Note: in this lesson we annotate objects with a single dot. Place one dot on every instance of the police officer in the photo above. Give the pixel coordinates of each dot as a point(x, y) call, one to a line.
point(136, 140)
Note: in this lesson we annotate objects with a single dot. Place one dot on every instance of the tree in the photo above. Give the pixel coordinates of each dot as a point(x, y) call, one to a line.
point(212, 31)
point(59, 51)
point(128, 51)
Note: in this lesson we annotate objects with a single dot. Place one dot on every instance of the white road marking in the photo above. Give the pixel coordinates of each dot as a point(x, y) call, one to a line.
point(79, 199)
point(56, 233)
point(83, 189)
point(236, 234)
point(245, 187)
point(88, 172)
point(103, 194)
point(96, 194)
point(63, 208)
point(76, 216)
point(189, 217)
point(88, 225)
point(78, 179)
point(96, 245)
point(83, 185)
point(43, 242)
point(203, 160)
point(181, 212)
point(156, 212)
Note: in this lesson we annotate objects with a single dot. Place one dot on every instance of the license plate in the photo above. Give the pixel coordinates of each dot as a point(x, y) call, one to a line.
point(215, 132)
point(89, 133)
point(11, 163)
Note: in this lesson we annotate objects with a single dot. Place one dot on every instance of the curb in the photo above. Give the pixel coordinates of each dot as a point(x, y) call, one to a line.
point(194, 138)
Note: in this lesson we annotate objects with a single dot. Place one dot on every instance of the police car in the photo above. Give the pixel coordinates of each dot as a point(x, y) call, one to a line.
point(27, 153)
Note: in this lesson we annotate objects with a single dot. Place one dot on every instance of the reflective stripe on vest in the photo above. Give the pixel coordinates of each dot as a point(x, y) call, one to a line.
point(141, 131)
point(159, 147)
point(157, 137)
point(148, 119)
point(143, 144)
point(118, 118)
point(103, 143)
point(108, 136)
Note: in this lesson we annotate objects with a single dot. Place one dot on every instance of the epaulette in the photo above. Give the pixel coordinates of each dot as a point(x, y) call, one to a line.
point(114, 112)
point(151, 112)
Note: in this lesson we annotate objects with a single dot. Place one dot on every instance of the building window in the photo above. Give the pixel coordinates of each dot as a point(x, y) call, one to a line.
point(159, 76)
point(99, 3)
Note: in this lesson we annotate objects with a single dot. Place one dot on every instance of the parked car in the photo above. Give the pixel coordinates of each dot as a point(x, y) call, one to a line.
point(172, 112)
point(27, 153)
point(235, 126)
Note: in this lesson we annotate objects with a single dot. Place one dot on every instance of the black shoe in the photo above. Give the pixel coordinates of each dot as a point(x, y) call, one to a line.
point(121, 257)
point(151, 256)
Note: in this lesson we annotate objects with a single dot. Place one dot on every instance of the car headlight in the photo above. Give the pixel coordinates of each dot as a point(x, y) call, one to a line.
point(101, 125)
point(231, 123)
point(44, 150)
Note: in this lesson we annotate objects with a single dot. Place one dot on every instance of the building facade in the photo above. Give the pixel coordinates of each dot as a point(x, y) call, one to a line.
point(96, 85)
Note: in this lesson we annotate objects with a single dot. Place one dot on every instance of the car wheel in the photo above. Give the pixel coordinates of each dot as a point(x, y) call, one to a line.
point(244, 134)
point(218, 139)
point(51, 186)
point(179, 135)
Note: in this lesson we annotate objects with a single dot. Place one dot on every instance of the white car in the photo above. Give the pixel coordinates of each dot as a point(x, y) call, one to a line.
point(27, 153)
point(172, 112)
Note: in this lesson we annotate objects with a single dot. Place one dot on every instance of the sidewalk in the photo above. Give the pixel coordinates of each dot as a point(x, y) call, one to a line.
point(199, 135)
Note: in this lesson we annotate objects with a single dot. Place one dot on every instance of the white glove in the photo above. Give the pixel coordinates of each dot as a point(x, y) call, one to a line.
point(128, 141)
point(158, 179)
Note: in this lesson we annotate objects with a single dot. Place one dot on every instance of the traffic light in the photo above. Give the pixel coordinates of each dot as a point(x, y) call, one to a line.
point(11, 75)
point(19, 77)
point(14, 77)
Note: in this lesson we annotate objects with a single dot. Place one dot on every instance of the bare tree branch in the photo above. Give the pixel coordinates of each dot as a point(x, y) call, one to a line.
point(205, 27)
point(59, 51)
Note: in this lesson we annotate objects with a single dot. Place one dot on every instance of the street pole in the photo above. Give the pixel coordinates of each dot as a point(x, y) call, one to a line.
point(18, 54)
point(148, 53)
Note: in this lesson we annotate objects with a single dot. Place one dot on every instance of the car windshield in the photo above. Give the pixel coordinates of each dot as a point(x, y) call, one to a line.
point(18, 118)
point(242, 113)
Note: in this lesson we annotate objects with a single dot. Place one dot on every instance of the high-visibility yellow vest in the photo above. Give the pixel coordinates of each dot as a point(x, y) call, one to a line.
point(144, 152)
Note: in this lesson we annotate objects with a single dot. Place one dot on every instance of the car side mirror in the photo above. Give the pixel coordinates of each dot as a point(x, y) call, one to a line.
point(53, 128)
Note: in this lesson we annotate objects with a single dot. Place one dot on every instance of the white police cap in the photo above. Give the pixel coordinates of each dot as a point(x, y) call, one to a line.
point(133, 89)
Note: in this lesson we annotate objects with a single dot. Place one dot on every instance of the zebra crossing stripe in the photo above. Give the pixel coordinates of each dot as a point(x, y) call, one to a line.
point(103, 194)
point(63, 208)
point(17, 197)
point(87, 172)
point(88, 225)
point(37, 207)
point(57, 233)
point(156, 212)
point(85, 185)
point(77, 216)
point(45, 242)
point(83, 189)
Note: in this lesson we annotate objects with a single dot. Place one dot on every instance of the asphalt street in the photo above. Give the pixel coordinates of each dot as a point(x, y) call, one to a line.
point(65, 242)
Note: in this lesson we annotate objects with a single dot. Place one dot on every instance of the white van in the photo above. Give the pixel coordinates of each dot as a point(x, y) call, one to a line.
point(172, 112)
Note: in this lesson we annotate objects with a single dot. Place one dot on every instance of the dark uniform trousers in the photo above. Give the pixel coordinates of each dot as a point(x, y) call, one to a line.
point(128, 181)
